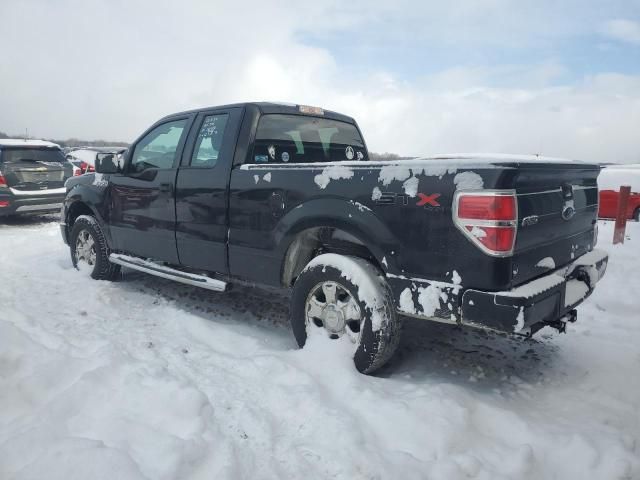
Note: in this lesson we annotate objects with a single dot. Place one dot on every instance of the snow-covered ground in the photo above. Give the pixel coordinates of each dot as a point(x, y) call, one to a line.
point(144, 378)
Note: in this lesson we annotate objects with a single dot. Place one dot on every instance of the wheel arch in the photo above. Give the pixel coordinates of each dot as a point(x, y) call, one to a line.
point(84, 201)
point(350, 228)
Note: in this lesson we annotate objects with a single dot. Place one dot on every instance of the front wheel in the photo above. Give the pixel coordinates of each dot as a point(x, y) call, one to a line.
point(337, 296)
point(89, 249)
point(636, 215)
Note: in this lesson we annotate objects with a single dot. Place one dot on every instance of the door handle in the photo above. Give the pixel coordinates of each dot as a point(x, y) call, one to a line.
point(166, 187)
point(276, 202)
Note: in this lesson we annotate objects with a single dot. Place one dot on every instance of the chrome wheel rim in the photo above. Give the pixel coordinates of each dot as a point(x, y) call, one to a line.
point(85, 248)
point(331, 307)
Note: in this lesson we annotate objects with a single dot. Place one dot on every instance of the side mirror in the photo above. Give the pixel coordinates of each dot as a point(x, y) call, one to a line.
point(109, 163)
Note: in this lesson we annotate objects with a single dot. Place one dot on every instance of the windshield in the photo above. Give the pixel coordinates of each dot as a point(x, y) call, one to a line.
point(15, 155)
point(304, 139)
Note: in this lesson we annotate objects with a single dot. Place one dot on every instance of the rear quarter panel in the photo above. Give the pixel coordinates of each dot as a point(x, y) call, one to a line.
point(382, 205)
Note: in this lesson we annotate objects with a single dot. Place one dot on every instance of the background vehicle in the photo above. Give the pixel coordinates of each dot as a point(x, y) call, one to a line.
point(610, 180)
point(32, 176)
point(285, 196)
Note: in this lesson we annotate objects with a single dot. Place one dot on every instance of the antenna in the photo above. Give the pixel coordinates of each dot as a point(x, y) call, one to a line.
point(26, 134)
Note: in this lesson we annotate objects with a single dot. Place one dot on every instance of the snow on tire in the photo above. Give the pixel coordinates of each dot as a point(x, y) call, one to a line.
point(89, 249)
point(339, 295)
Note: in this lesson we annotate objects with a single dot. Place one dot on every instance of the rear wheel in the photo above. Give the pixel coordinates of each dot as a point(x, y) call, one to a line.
point(338, 296)
point(636, 215)
point(89, 249)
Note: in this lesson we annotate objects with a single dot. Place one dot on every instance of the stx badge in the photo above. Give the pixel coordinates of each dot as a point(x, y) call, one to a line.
point(428, 201)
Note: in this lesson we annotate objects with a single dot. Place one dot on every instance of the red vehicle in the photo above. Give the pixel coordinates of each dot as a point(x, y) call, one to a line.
point(609, 183)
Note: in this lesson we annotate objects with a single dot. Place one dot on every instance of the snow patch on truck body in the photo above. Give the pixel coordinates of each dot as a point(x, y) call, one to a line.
point(546, 262)
point(439, 165)
point(389, 173)
point(333, 172)
point(410, 172)
point(410, 186)
point(99, 180)
point(468, 181)
point(542, 284)
point(406, 301)
point(360, 206)
point(519, 320)
point(429, 299)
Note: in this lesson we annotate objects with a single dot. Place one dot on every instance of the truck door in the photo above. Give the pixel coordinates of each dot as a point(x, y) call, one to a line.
point(142, 214)
point(202, 190)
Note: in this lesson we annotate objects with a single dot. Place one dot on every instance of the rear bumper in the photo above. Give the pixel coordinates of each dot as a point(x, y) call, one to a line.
point(549, 300)
point(25, 204)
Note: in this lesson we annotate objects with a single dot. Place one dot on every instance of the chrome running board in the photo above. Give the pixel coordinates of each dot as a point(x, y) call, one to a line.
point(163, 271)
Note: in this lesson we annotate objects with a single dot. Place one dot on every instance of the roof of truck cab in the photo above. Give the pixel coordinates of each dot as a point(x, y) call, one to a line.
point(20, 142)
point(269, 108)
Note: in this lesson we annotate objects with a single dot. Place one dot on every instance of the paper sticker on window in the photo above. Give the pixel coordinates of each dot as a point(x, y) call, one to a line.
point(272, 152)
point(285, 157)
point(209, 127)
point(261, 159)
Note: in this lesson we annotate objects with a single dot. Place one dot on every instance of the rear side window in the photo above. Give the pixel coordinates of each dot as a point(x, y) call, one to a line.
point(17, 155)
point(209, 141)
point(302, 139)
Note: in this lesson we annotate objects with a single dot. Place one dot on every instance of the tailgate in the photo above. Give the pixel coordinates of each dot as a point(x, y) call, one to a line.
point(557, 215)
point(34, 169)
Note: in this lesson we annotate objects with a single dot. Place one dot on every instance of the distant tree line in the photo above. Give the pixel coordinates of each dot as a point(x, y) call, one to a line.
point(75, 142)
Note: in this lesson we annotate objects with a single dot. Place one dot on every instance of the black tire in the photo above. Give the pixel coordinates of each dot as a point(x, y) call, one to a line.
point(636, 215)
point(102, 268)
point(373, 347)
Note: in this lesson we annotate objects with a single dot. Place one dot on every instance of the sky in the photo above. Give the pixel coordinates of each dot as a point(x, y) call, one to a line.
point(558, 78)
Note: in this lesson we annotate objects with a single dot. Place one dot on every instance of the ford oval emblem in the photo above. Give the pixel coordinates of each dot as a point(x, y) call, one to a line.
point(568, 212)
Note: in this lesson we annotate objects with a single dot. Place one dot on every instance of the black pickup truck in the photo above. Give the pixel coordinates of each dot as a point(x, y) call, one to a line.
point(286, 196)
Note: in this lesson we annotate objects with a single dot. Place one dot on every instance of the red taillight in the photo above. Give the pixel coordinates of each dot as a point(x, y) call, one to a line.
point(488, 219)
point(4, 203)
point(3, 181)
point(487, 207)
point(86, 168)
point(498, 239)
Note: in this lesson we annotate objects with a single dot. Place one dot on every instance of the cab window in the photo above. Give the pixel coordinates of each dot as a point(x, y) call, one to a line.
point(304, 139)
point(209, 141)
point(158, 148)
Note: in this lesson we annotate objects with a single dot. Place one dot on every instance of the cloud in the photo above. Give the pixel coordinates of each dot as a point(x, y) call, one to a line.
point(622, 30)
point(594, 120)
point(100, 69)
